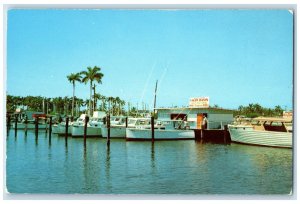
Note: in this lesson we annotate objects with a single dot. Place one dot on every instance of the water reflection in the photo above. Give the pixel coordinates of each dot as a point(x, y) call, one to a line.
point(25, 137)
point(36, 140)
point(66, 142)
point(107, 161)
point(50, 140)
point(152, 155)
point(7, 132)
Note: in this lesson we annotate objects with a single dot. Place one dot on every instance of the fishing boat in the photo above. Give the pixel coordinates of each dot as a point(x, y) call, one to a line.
point(163, 130)
point(93, 126)
point(55, 129)
point(29, 123)
point(60, 128)
point(118, 129)
point(273, 132)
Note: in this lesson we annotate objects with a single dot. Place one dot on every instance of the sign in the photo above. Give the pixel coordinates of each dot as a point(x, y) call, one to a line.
point(200, 102)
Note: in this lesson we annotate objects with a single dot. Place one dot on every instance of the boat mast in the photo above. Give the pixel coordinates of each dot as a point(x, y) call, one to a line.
point(155, 97)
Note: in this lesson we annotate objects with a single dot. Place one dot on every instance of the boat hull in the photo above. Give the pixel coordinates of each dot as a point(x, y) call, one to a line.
point(92, 131)
point(247, 135)
point(62, 129)
point(55, 129)
point(115, 132)
point(146, 134)
point(29, 126)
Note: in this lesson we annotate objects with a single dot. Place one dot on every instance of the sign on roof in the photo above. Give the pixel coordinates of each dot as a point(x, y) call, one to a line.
point(199, 102)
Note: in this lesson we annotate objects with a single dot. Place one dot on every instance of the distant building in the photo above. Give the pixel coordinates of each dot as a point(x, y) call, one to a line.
point(287, 114)
point(217, 117)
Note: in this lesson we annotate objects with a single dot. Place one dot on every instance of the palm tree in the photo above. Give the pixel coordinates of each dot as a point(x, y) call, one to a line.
point(122, 103)
point(110, 100)
point(96, 97)
point(102, 98)
point(92, 74)
point(278, 110)
point(118, 104)
point(80, 103)
point(72, 79)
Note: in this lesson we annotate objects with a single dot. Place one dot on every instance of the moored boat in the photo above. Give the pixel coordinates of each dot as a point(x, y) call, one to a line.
point(93, 126)
point(118, 130)
point(273, 132)
point(29, 123)
point(163, 130)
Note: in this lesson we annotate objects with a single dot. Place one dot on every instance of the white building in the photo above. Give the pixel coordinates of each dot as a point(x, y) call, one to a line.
point(216, 117)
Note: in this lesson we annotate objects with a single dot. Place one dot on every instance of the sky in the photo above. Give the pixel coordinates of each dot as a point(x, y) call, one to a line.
point(235, 57)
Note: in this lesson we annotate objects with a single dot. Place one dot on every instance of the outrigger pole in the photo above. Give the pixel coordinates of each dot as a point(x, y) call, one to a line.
point(155, 97)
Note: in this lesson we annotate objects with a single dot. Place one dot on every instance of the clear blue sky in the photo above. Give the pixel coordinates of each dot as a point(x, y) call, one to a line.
point(235, 57)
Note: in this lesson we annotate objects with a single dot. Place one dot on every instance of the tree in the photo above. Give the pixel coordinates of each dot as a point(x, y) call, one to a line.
point(103, 99)
point(92, 74)
point(96, 97)
point(109, 100)
point(278, 110)
point(72, 79)
point(118, 104)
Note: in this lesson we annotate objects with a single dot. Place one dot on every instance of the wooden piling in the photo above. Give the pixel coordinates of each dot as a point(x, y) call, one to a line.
point(67, 127)
point(227, 138)
point(108, 129)
point(8, 121)
point(152, 128)
point(50, 128)
point(36, 126)
point(26, 124)
point(85, 128)
point(126, 122)
point(16, 123)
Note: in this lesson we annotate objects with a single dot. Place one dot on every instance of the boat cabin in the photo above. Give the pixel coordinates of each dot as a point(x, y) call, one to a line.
point(132, 122)
point(117, 120)
point(273, 124)
point(172, 124)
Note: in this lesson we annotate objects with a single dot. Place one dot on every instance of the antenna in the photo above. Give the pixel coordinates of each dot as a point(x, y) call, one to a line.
point(155, 97)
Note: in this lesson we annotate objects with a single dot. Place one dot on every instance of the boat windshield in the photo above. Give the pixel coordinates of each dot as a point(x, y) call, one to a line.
point(131, 121)
point(143, 122)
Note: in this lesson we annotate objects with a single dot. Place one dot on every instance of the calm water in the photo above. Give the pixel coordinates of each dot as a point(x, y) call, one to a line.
point(165, 167)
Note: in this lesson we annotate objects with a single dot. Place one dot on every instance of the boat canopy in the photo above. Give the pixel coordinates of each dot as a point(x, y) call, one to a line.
point(39, 115)
point(272, 119)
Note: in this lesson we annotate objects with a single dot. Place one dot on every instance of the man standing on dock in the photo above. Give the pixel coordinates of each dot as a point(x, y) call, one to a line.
point(204, 122)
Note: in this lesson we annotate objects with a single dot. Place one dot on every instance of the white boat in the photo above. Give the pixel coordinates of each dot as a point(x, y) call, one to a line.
point(31, 122)
point(93, 126)
point(118, 129)
point(60, 128)
point(163, 130)
point(273, 132)
point(55, 129)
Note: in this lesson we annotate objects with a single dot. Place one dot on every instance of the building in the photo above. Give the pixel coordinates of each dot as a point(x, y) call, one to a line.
point(216, 117)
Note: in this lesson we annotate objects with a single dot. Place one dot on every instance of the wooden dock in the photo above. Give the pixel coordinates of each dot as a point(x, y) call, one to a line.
point(213, 136)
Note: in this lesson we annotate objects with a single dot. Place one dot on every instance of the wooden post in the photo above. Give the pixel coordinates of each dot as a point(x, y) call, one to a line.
point(16, 123)
point(85, 128)
point(50, 128)
point(36, 126)
point(26, 124)
point(225, 133)
point(126, 122)
point(152, 128)
point(108, 129)
point(8, 121)
point(67, 127)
